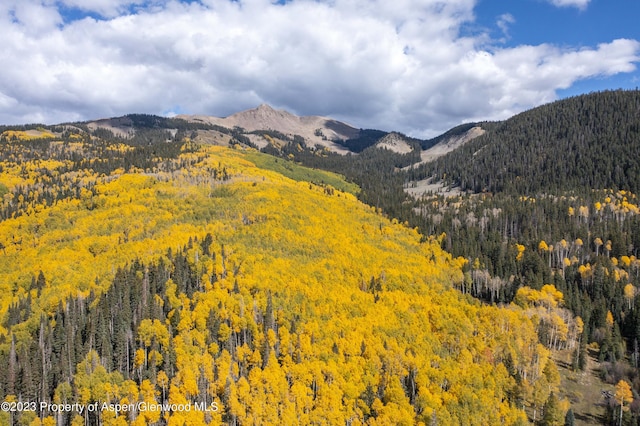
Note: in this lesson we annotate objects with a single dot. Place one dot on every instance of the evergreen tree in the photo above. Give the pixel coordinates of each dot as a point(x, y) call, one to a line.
point(552, 415)
point(569, 418)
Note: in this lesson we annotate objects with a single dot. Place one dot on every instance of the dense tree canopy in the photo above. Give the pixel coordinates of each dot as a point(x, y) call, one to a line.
point(192, 276)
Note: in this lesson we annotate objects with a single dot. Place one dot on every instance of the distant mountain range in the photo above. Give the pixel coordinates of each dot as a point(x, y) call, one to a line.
point(281, 126)
point(588, 141)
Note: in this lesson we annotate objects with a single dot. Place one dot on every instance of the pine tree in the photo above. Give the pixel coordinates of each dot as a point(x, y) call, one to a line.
point(569, 418)
point(552, 415)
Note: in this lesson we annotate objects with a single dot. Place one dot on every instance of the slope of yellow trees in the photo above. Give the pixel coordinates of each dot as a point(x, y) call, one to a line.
point(353, 320)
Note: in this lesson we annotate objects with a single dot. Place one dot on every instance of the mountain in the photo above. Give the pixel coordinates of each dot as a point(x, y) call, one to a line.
point(264, 126)
point(395, 142)
point(315, 130)
point(584, 142)
point(450, 141)
point(260, 127)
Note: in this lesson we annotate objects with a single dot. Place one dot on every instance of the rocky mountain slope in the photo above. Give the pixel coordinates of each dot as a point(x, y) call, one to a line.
point(450, 143)
point(315, 130)
point(265, 125)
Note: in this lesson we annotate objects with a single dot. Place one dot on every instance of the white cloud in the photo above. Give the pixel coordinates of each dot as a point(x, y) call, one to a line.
point(30, 15)
point(580, 4)
point(393, 65)
point(503, 22)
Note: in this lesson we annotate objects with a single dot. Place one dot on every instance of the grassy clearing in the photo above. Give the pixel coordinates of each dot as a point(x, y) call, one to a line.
point(583, 389)
point(301, 173)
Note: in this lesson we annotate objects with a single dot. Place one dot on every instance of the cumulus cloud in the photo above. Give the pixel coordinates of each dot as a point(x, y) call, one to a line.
point(393, 65)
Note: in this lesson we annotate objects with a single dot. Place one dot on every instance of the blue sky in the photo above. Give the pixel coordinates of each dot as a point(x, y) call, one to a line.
point(416, 66)
point(537, 22)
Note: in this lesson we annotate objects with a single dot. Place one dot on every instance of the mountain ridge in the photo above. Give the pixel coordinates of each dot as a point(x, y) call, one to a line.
point(585, 142)
point(253, 124)
point(316, 130)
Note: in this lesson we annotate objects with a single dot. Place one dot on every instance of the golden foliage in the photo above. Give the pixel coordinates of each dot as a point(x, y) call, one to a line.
point(366, 327)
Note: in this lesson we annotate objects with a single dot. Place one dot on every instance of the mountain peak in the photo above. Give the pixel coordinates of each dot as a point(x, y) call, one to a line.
point(316, 130)
point(264, 117)
point(395, 142)
point(265, 107)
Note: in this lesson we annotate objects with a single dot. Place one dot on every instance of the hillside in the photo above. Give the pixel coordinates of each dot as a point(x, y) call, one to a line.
point(200, 276)
point(394, 142)
point(558, 251)
point(551, 197)
point(450, 143)
point(582, 239)
point(585, 142)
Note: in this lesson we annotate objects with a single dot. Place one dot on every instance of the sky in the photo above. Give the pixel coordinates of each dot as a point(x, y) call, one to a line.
point(415, 66)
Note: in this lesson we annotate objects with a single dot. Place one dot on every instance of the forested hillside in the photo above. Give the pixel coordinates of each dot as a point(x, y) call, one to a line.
point(553, 200)
point(547, 197)
point(146, 271)
point(581, 143)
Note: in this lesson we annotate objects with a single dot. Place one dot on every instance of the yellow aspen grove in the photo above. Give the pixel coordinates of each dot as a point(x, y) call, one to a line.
point(226, 285)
